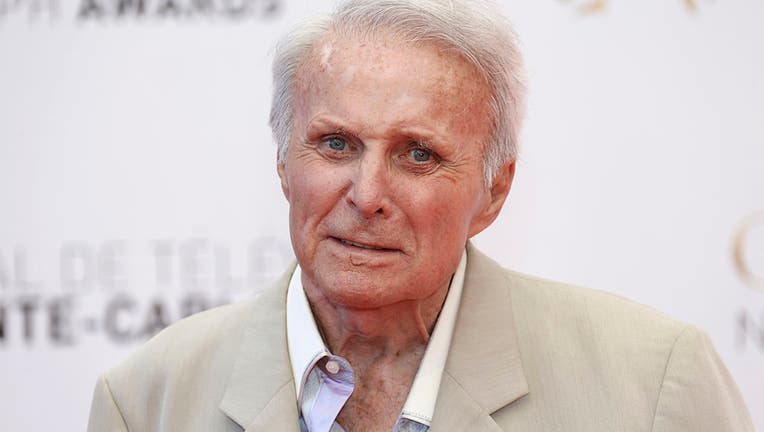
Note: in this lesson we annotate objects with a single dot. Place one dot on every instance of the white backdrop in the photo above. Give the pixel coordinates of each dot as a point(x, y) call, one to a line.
point(137, 179)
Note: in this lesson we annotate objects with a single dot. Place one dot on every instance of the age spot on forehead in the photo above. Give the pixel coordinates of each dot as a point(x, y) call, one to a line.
point(326, 54)
point(347, 75)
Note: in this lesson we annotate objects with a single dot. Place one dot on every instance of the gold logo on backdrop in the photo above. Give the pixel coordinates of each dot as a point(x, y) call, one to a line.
point(594, 6)
point(752, 276)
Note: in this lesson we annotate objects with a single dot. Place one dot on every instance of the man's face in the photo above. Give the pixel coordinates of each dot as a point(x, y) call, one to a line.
point(384, 170)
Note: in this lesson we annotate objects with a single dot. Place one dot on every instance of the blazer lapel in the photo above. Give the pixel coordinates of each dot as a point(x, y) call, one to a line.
point(483, 372)
point(260, 393)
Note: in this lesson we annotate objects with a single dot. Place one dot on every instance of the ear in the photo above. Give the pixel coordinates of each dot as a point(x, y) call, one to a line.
point(281, 169)
point(494, 199)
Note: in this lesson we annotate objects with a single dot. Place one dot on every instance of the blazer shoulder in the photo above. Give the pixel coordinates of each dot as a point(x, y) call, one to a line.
point(188, 367)
point(597, 311)
point(540, 303)
point(209, 338)
point(183, 368)
point(614, 364)
point(198, 338)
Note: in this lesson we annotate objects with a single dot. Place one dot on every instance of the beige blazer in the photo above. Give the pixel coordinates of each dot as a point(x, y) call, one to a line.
point(527, 355)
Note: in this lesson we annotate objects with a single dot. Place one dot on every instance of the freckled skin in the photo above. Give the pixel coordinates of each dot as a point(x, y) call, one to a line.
point(385, 184)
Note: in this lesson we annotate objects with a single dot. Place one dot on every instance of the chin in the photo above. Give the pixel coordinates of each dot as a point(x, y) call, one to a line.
point(359, 291)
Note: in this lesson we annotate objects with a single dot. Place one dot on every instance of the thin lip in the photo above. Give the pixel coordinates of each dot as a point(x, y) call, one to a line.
point(379, 248)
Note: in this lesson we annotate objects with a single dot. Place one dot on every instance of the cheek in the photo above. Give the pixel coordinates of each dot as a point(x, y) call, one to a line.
point(308, 205)
point(314, 191)
point(446, 214)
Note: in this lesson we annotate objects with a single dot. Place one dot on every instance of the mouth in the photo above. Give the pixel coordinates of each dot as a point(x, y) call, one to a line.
point(362, 245)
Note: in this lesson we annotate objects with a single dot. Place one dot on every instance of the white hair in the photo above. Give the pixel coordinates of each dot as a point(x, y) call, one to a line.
point(473, 29)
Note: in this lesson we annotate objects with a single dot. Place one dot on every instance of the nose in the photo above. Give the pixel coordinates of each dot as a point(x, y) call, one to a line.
point(369, 191)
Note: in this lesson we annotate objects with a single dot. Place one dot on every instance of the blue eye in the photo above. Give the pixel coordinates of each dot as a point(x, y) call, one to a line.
point(336, 144)
point(420, 154)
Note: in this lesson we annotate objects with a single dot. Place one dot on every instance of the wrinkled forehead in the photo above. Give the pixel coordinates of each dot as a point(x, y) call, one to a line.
point(346, 60)
point(354, 48)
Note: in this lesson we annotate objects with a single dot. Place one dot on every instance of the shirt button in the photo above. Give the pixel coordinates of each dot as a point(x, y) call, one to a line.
point(332, 367)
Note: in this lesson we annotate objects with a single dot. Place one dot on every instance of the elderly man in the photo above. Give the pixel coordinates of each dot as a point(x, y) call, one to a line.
point(397, 125)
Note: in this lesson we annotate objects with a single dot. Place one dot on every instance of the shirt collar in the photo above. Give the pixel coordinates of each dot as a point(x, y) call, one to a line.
point(420, 403)
point(306, 346)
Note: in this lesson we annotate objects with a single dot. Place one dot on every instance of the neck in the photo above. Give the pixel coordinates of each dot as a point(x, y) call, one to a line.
point(394, 330)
